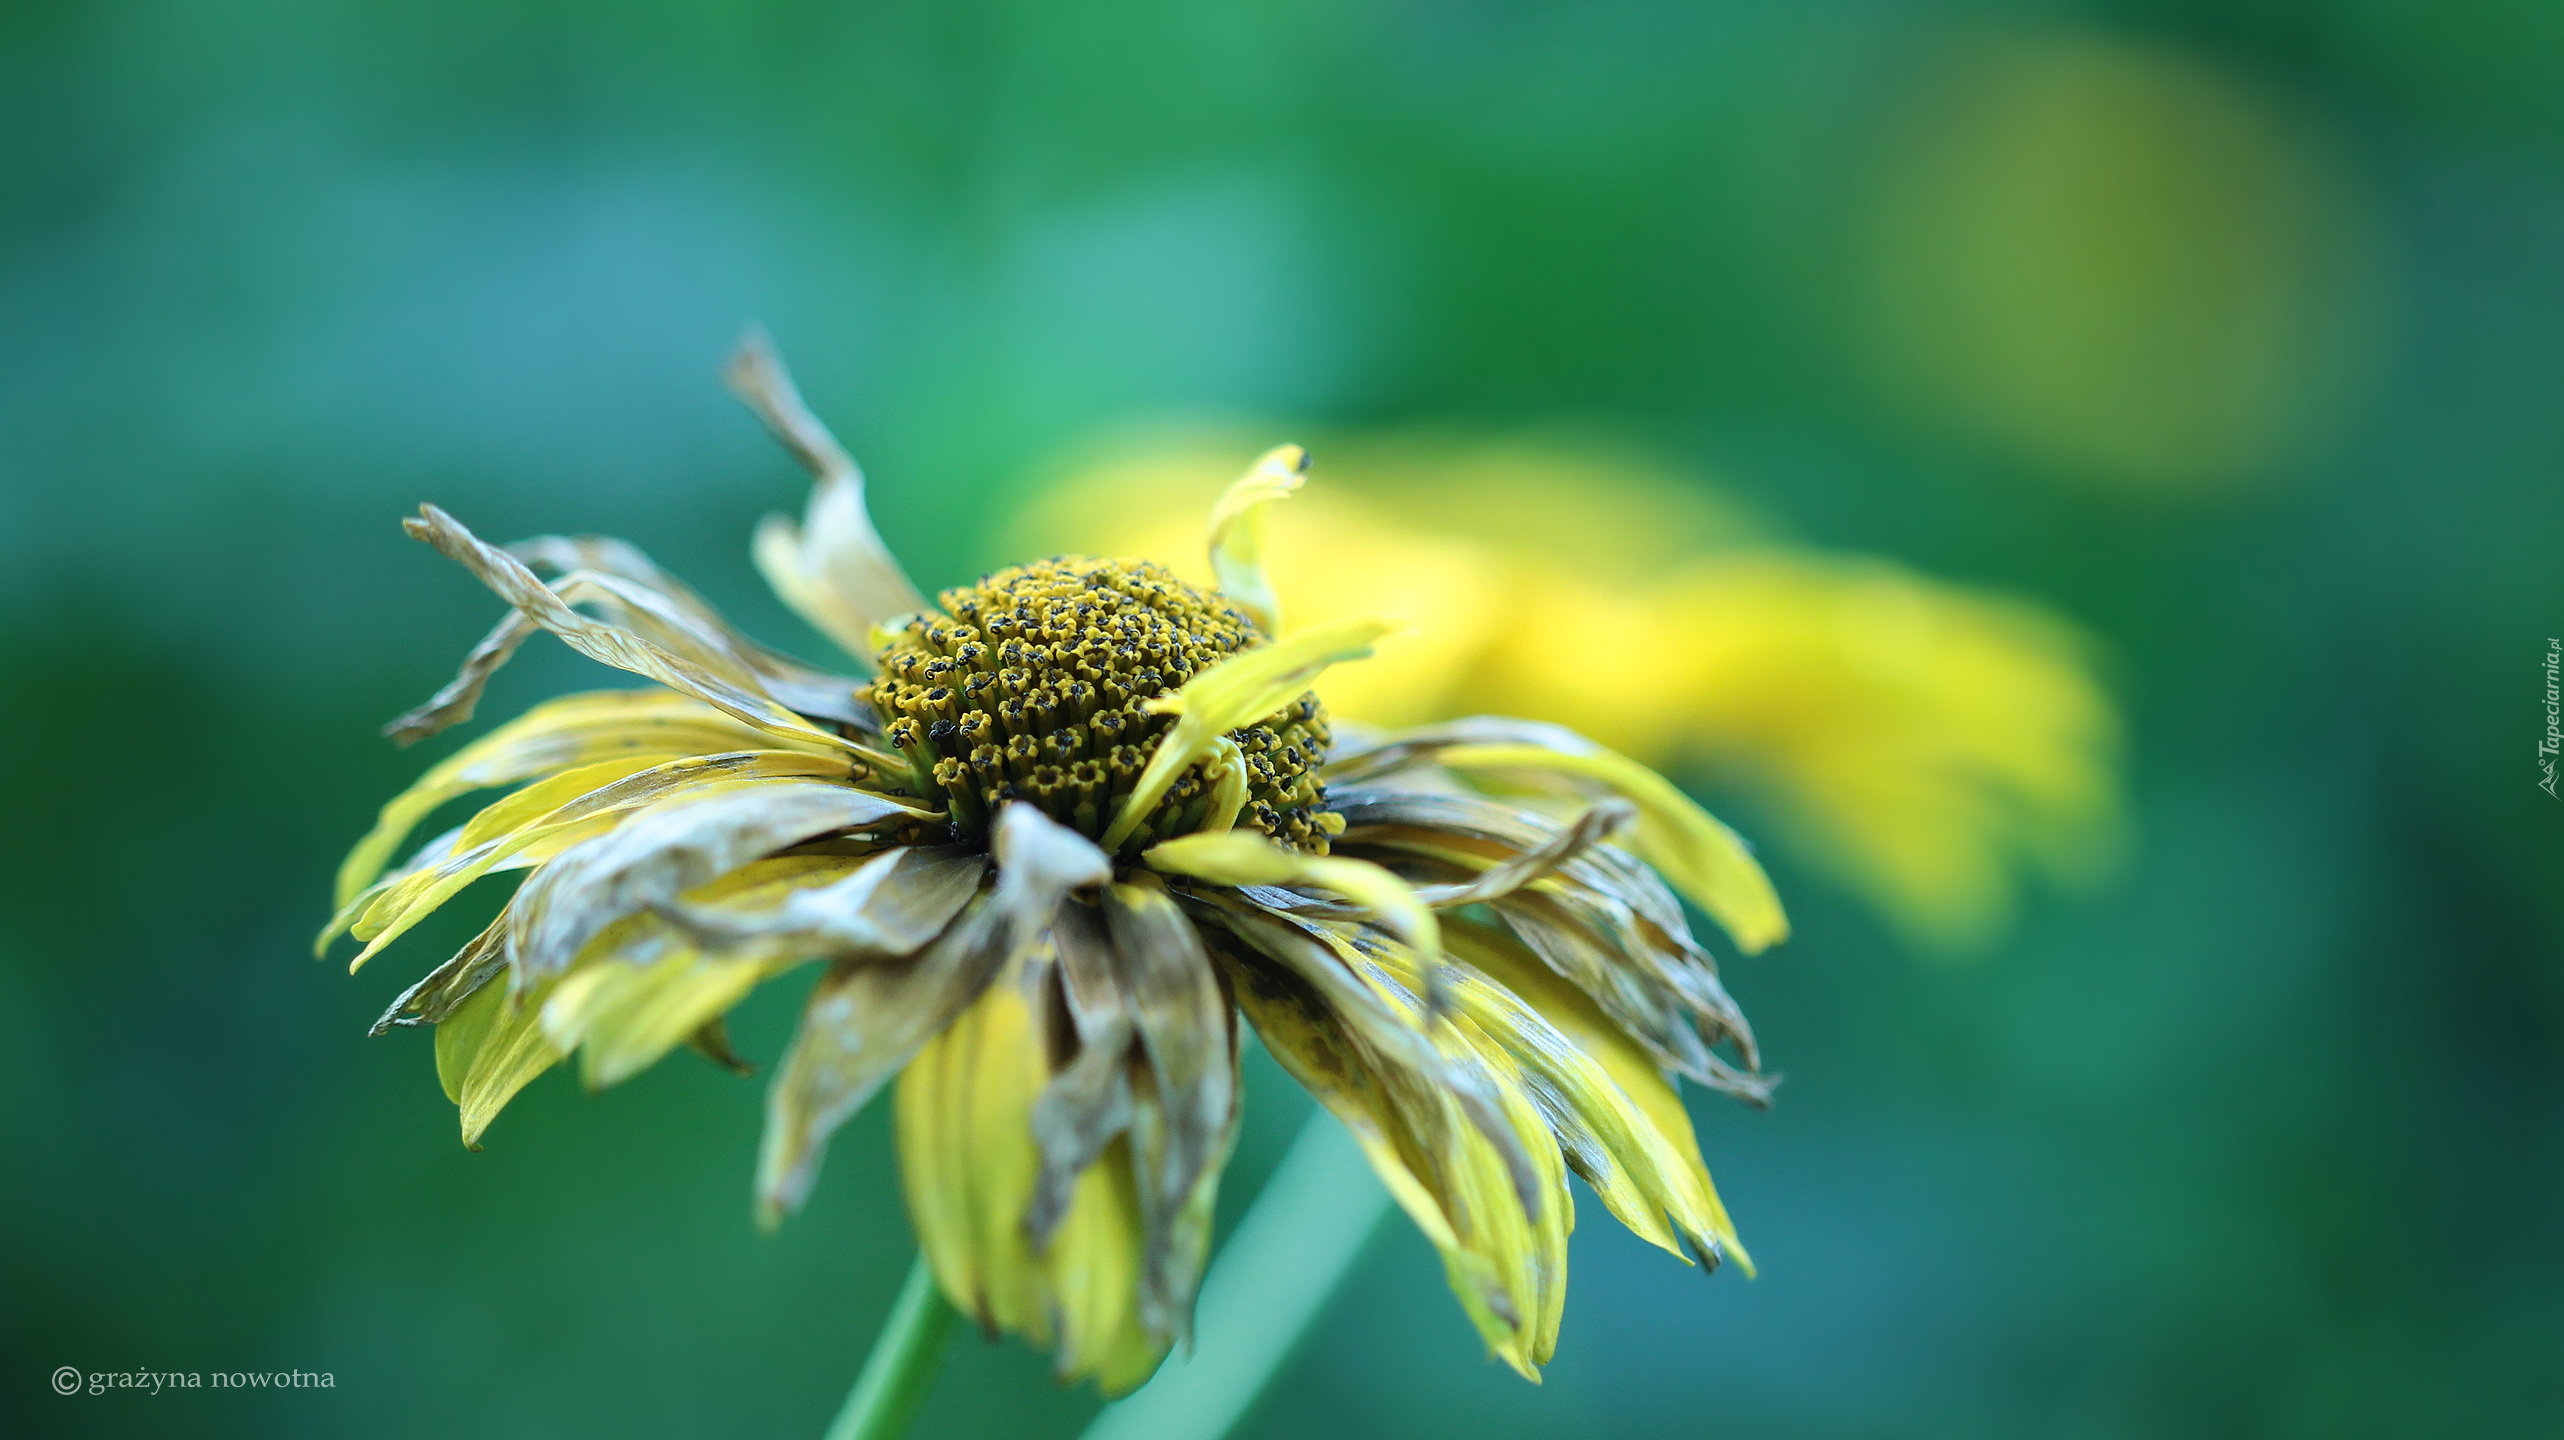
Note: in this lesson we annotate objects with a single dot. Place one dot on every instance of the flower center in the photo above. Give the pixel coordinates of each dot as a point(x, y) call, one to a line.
point(1030, 686)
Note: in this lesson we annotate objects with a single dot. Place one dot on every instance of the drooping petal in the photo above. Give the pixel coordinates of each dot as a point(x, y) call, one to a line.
point(1504, 1257)
point(1600, 919)
point(1305, 949)
point(672, 847)
point(1237, 533)
point(1641, 1174)
point(969, 1166)
point(864, 1021)
point(556, 735)
point(1238, 691)
point(1087, 1104)
point(833, 570)
point(1682, 1187)
point(621, 1019)
point(508, 834)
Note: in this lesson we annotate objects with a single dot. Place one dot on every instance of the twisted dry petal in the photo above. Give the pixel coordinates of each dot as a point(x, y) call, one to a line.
point(1304, 950)
point(677, 611)
point(603, 641)
point(1087, 1104)
point(438, 993)
point(1590, 829)
point(1237, 533)
point(1234, 858)
point(1704, 859)
point(672, 847)
point(647, 982)
point(891, 905)
point(833, 569)
point(1604, 922)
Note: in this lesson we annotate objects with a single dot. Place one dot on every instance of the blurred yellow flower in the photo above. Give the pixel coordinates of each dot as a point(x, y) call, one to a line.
point(1923, 743)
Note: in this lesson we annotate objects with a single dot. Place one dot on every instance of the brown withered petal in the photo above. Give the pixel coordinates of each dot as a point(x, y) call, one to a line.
point(1088, 1102)
point(1390, 815)
point(803, 690)
point(437, 992)
point(1182, 1018)
point(656, 855)
point(597, 639)
point(1402, 1047)
point(865, 1020)
point(1677, 1023)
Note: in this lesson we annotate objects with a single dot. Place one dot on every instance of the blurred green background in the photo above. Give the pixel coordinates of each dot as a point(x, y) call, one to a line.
point(2233, 331)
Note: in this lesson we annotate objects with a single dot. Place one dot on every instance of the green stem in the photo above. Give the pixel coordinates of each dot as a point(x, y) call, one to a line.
point(903, 1363)
point(1273, 1277)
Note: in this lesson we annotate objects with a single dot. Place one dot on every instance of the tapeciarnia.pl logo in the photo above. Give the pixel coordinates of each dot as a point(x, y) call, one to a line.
point(2553, 739)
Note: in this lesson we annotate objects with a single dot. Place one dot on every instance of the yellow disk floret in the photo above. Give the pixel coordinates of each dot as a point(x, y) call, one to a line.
point(1034, 684)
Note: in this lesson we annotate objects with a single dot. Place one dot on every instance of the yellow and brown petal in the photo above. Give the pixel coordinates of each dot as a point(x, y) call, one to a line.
point(1082, 819)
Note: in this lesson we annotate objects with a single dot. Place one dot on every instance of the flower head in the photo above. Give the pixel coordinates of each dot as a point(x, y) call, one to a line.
point(1082, 818)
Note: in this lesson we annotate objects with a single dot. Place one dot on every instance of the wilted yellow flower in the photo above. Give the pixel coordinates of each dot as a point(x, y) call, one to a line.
point(1919, 740)
point(1083, 815)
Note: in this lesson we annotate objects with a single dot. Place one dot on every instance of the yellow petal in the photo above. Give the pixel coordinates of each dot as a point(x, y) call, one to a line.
point(556, 735)
point(517, 831)
point(1238, 691)
point(1237, 533)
